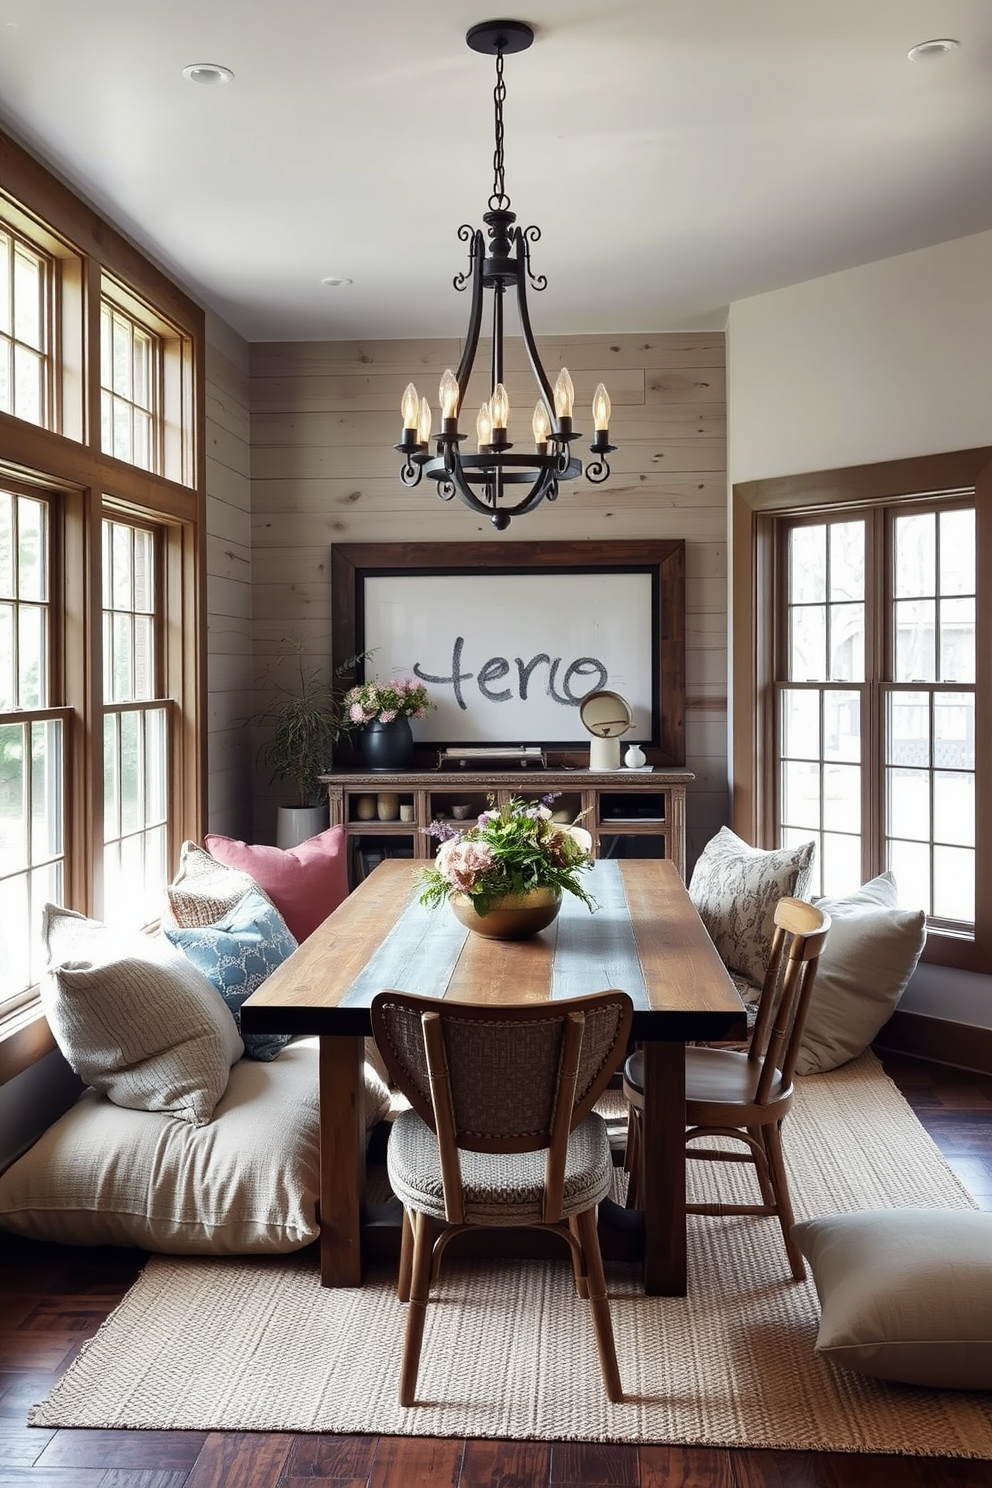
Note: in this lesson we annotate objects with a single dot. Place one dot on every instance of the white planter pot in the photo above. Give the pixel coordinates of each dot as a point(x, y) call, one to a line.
point(296, 824)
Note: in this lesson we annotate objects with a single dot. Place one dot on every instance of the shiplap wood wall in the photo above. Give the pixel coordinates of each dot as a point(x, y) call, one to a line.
point(324, 418)
point(229, 601)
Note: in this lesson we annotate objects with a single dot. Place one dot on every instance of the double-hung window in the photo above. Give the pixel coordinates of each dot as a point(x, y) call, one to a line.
point(858, 722)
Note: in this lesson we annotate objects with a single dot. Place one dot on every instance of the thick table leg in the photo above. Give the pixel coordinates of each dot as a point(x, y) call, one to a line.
point(342, 1160)
point(663, 1156)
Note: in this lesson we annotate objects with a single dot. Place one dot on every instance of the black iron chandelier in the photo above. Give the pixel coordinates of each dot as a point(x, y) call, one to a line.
point(488, 481)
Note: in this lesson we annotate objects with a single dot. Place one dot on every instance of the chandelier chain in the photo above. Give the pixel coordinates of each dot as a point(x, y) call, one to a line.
point(499, 201)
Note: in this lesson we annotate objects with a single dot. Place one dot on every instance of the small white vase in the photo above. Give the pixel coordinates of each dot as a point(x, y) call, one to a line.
point(634, 758)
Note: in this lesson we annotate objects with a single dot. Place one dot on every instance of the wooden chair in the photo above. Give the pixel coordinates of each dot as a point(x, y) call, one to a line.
point(501, 1132)
point(746, 1094)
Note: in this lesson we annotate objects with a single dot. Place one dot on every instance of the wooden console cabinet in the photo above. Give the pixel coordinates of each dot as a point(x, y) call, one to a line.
point(629, 813)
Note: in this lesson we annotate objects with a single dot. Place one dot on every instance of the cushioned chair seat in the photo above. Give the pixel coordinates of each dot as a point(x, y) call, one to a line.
point(500, 1188)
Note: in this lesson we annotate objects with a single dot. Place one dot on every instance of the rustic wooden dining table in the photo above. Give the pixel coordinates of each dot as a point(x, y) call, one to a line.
point(645, 938)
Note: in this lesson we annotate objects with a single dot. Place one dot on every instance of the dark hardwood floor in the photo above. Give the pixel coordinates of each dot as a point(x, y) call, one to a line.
point(52, 1298)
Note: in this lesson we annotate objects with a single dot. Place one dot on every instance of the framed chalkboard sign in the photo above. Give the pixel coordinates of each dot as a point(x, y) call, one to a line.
point(511, 638)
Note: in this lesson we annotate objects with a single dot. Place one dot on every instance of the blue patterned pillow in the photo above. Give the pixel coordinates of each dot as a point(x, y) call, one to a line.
point(236, 953)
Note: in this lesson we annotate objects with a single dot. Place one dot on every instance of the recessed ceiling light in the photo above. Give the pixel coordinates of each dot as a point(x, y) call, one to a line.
point(209, 74)
point(334, 281)
point(927, 51)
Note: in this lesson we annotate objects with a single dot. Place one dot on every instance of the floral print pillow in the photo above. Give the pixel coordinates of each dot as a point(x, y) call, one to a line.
point(735, 888)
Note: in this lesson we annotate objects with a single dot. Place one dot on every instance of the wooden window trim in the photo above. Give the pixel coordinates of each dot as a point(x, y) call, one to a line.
point(754, 506)
point(67, 459)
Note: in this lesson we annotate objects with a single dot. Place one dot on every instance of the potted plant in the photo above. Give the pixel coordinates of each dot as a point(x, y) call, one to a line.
point(504, 876)
point(382, 712)
point(305, 719)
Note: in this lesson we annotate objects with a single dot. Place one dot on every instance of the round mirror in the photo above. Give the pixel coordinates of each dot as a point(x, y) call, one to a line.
point(605, 714)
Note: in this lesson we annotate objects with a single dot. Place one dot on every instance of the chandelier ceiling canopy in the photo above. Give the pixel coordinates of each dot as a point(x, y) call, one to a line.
point(490, 481)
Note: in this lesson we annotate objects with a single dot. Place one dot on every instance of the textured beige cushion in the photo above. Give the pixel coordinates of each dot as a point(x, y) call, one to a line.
point(871, 953)
point(134, 1019)
point(204, 890)
point(249, 1181)
point(905, 1294)
point(736, 887)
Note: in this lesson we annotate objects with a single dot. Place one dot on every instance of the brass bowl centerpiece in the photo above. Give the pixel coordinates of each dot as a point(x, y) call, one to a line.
point(504, 875)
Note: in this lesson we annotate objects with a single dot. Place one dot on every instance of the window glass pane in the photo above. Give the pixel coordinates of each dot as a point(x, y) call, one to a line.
point(144, 682)
point(29, 385)
point(957, 640)
point(6, 377)
point(8, 693)
point(915, 555)
point(15, 950)
point(106, 424)
point(908, 801)
point(915, 632)
point(141, 426)
point(46, 790)
point(841, 725)
point(909, 862)
point(13, 801)
point(842, 797)
point(954, 730)
point(108, 564)
point(847, 561)
point(132, 791)
point(808, 643)
point(32, 567)
point(957, 552)
point(847, 642)
point(6, 545)
point(31, 662)
point(800, 724)
point(142, 392)
point(841, 871)
point(111, 783)
point(122, 590)
point(122, 430)
point(121, 382)
point(155, 766)
point(954, 808)
point(6, 252)
point(808, 565)
point(123, 684)
point(28, 282)
point(800, 805)
point(954, 884)
point(908, 733)
point(143, 555)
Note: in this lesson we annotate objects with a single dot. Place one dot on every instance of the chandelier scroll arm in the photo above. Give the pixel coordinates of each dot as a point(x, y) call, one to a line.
point(477, 254)
point(526, 330)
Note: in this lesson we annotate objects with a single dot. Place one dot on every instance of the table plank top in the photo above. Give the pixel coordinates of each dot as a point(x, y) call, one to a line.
point(647, 939)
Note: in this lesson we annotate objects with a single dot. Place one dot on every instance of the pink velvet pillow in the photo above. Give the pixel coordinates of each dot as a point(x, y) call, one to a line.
point(305, 883)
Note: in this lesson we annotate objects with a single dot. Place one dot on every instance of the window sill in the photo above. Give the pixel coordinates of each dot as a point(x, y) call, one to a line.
point(25, 1037)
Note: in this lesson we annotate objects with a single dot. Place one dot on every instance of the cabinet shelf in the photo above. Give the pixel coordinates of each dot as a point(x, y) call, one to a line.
point(649, 819)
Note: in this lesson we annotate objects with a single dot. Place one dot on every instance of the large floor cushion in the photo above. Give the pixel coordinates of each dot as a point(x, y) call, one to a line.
point(247, 1182)
point(905, 1294)
point(871, 953)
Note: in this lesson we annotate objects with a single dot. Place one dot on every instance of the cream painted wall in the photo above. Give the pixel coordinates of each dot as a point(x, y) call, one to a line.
point(228, 522)
point(325, 417)
point(882, 362)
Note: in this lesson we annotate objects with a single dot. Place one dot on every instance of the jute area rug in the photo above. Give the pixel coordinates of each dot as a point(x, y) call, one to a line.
point(256, 1344)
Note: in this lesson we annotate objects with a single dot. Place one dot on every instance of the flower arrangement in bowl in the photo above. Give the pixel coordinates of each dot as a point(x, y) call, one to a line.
point(504, 876)
point(384, 702)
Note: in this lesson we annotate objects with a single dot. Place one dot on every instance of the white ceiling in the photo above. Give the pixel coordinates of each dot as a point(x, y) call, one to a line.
point(677, 154)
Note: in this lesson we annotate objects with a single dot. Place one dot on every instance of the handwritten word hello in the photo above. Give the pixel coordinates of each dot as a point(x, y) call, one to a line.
point(583, 675)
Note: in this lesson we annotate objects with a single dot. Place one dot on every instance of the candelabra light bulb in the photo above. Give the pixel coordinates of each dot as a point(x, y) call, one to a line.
point(410, 406)
point(499, 407)
point(484, 427)
point(564, 394)
point(541, 423)
point(601, 409)
point(424, 423)
point(448, 394)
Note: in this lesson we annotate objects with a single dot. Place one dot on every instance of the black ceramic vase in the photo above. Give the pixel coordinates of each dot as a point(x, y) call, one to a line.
point(387, 746)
